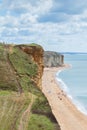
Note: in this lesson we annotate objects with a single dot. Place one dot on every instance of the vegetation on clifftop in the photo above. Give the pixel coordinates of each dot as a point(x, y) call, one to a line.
point(19, 95)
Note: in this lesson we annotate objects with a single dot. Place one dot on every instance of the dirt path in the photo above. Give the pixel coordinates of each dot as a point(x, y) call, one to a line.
point(67, 115)
point(25, 116)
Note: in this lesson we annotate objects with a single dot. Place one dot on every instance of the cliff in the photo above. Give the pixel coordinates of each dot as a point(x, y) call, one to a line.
point(53, 59)
point(36, 52)
point(22, 103)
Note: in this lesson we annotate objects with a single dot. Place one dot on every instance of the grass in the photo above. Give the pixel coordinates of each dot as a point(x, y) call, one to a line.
point(11, 108)
point(34, 44)
point(5, 93)
point(28, 85)
point(23, 63)
point(40, 123)
point(7, 78)
point(31, 44)
point(25, 68)
point(42, 117)
point(41, 105)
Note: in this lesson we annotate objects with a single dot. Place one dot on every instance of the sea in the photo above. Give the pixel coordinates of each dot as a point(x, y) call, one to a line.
point(74, 79)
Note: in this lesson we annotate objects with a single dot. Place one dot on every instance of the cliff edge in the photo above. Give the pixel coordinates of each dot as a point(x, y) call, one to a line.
point(36, 52)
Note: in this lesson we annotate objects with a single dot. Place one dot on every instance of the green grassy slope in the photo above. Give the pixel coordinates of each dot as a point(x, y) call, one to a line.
point(24, 68)
point(16, 90)
point(7, 77)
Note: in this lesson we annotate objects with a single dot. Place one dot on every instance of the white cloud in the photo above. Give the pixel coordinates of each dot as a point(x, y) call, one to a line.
point(35, 7)
point(19, 22)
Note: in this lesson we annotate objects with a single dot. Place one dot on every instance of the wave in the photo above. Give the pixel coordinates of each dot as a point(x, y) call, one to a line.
point(79, 106)
point(65, 88)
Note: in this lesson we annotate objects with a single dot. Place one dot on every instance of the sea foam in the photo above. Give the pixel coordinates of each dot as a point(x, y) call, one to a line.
point(65, 88)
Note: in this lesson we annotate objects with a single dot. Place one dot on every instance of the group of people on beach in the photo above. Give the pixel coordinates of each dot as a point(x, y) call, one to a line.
point(60, 94)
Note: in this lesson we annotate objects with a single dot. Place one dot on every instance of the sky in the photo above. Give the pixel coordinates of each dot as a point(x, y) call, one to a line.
point(57, 25)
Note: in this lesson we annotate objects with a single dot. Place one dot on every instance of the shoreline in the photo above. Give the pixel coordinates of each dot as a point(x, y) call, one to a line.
point(65, 112)
point(61, 82)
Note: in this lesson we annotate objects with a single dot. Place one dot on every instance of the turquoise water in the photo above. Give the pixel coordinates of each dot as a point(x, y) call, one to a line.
point(74, 80)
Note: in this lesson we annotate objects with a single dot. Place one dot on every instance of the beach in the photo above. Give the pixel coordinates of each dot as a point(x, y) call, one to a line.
point(65, 112)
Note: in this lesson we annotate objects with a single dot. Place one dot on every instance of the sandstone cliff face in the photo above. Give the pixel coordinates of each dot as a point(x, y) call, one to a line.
point(36, 53)
point(42, 59)
point(53, 59)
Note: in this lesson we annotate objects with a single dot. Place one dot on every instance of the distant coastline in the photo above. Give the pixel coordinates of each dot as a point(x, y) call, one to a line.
point(73, 52)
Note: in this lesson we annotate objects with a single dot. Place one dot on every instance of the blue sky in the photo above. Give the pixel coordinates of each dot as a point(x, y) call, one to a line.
point(57, 25)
